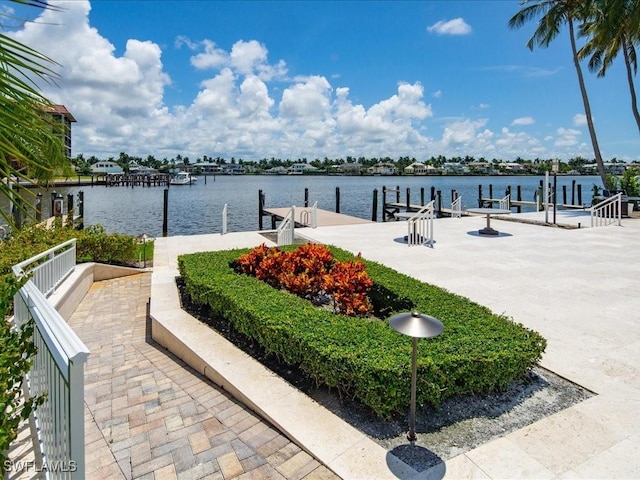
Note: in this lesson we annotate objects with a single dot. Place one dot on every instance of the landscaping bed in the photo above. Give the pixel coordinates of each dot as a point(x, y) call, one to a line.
point(363, 358)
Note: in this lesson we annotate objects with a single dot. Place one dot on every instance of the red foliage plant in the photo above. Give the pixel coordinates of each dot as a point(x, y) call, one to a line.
point(310, 272)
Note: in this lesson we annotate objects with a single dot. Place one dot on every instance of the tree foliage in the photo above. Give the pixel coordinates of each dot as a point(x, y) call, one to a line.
point(31, 146)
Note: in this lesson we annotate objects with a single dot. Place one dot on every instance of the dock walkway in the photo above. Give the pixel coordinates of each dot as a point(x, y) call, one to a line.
point(325, 218)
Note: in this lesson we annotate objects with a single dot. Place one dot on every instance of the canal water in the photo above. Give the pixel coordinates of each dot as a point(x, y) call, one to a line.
point(197, 209)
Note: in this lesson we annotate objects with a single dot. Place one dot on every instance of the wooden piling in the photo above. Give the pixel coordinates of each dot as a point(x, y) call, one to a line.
point(165, 213)
point(260, 208)
point(81, 209)
point(374, 208)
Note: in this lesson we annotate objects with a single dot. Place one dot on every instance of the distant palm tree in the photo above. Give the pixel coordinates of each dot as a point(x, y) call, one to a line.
point(609, 28)
point(31, 148)
point(553, 15)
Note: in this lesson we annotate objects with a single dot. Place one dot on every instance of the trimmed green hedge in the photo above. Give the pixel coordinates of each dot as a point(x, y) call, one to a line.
point(365, 358)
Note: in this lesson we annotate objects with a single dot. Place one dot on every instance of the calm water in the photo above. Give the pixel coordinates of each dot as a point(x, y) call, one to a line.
point(197, 209)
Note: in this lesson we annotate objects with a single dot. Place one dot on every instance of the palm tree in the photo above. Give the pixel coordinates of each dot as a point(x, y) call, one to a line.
point(553, 14)
point(30, 148)
point(609, 30)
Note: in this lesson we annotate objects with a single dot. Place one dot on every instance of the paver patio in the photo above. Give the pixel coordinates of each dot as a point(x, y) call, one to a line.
point(149, 416)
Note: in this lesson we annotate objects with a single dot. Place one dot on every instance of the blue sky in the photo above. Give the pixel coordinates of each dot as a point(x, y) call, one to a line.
point(309, 79)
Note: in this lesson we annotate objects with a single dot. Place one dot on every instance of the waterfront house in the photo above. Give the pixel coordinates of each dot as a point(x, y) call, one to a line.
point(106, 167)
point(609, 167)
point(349, 168)
point(279, 170)
point(454, 167)
point(61, 115)
point(301, 168)
point(382, 169)
point(206, 168)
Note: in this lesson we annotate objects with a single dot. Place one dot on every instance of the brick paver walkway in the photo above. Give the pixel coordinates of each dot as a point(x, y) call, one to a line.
point(150, 416)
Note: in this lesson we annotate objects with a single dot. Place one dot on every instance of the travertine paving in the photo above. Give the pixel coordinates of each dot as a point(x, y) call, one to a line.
point(150, 416)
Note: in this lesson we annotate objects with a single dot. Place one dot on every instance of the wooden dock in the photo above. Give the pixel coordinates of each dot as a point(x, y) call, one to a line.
point(324, 218)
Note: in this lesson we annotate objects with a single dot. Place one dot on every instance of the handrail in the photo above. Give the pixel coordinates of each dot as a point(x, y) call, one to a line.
point(505, 203)
point(607, 211)
point(314, 215)
point(224, 219)
point(61, 261)
point(456, 207)
point(58, 367)
point(420, 226)
point(285, 232)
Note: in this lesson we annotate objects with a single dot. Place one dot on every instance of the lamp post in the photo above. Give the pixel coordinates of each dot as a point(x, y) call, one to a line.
point(415, 325)
point(555, 166)
point(143, 238)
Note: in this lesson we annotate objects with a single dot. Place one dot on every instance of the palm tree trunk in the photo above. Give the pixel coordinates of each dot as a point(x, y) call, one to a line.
point(587, 107)
point(632, 89)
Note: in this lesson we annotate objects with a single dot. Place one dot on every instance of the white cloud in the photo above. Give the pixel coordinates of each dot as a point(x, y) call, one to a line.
point(523, 121)
point(457, 26)
point(579, 120)
point(212, 57)
point(247, 107)
point(567, 137)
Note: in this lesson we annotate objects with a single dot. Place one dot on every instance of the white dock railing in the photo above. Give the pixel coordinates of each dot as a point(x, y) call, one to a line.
point(58, 367)
point(285, 231)
point(608, 211)
point(310, 216)
point(456, 207)
point(505, 203)
point(420, 226)
point(224, 219)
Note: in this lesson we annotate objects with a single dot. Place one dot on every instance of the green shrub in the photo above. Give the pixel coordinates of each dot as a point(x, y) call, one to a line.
point(362, 357)
point(95, 245)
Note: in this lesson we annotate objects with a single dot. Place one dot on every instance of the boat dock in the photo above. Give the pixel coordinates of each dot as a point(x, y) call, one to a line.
point(324, 218)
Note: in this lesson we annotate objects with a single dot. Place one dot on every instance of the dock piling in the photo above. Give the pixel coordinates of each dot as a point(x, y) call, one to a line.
point(374, 208)
point(165, 213)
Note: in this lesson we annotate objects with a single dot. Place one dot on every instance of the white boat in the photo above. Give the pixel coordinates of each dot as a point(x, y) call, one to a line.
point(183, 178)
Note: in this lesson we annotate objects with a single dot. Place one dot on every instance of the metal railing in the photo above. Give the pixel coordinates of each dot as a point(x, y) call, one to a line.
point(608, 211)
point(310, 216)
point(285, 231)
point(58, 367)
point(420, 226)
point(505, 203)
point(456, 207)
point(50, 273)
point(224, 219)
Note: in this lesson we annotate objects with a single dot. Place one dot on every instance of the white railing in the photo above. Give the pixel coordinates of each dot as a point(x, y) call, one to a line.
point(310, 216)
point(505, 203)
point(224, 219)
point(285, 231)
point(420, 226)
point(456, 208)
point(58, 367)
point(606, 212)
point(48, 275)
